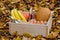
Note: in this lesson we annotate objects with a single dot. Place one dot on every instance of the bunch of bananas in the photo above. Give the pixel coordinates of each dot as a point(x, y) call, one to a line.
point(17, 15)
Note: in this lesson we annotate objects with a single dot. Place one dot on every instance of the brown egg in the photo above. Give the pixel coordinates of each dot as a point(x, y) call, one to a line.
point(31, 21)
point(41, 22)
point(34, 21)
point(37, 22)
point(45, 22)
point(43, 14)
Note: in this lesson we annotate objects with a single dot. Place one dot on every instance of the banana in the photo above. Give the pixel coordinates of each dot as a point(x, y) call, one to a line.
point(17, 14)
point(13, 15)
point(22, 17)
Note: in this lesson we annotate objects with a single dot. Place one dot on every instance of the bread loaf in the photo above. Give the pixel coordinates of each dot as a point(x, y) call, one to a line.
point(43, 14)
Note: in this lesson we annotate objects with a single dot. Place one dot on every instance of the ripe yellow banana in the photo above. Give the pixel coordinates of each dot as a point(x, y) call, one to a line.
point(22, 17)
point(13, 15)
point(17, 15)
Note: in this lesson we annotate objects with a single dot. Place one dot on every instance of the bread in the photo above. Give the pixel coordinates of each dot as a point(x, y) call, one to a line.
point(43, 14)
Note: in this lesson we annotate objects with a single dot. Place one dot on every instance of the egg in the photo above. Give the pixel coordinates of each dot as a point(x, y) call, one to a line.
point(45, 22)
point(43, 14)
point(42, 22)
point(34, 21)
point(37, 22)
